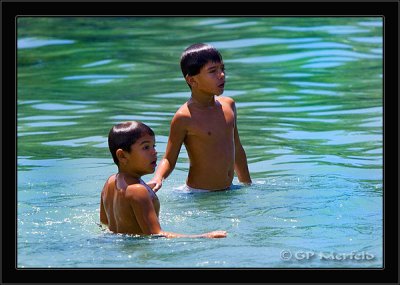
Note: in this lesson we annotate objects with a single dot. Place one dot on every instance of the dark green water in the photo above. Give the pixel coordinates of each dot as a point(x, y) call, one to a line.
point(309, 100)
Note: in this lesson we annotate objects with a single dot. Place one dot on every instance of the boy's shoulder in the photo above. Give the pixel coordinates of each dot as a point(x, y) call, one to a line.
point(183, 108)
point(137, 192)
point(183, 112)
point(108, 184)
point(224, 99)
point(228, 102)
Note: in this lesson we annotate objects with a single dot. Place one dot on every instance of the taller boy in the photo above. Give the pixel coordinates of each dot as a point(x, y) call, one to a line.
point(206, 124)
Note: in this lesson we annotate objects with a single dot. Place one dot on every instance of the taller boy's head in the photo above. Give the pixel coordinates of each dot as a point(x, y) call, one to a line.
point(196, 56)
point(123, 135)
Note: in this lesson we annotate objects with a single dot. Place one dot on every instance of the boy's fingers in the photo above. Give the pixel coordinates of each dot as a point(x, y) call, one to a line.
point(217, 234)
point(220, 233)
point(156, 187)
point(151, 184)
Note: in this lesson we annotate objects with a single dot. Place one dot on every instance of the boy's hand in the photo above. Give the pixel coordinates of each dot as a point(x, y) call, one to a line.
point(215, 234)
point(155, 184)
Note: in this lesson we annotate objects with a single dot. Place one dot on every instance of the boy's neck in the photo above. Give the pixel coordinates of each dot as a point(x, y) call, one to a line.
point(130, 178)
point(202, 101)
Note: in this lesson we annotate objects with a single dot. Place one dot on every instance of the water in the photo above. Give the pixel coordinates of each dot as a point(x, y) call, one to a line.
point(309, 102)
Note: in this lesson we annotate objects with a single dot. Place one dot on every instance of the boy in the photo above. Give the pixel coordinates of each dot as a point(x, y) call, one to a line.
point(206, 124)
point(127, 204)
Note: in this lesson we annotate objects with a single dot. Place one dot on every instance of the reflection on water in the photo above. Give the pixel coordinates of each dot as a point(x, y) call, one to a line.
point(308, 93)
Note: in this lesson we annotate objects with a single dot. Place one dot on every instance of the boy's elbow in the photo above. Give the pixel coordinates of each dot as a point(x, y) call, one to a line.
point(168, 163)
point(239, 150)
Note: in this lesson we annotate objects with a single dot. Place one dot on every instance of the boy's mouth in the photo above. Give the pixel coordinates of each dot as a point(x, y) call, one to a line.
point(154, 163)
point(222, 85)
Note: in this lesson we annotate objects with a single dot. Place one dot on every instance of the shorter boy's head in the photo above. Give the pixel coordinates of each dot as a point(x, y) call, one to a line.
point(196, 56)
point(125, 134)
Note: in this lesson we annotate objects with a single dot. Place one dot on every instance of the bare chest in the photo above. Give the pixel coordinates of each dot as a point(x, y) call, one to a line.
point(212, 124)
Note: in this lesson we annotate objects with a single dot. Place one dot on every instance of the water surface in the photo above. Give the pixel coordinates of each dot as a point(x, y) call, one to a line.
point(309, 100)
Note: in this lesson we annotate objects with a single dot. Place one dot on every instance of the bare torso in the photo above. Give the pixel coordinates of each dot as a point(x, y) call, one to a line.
point(209, 142)
point(120, 215)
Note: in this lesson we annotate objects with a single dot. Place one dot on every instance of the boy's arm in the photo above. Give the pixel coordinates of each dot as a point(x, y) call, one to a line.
point(103, 215)
point(176, 136)
point(241, 167)
point(147, 219)
point(143, 208)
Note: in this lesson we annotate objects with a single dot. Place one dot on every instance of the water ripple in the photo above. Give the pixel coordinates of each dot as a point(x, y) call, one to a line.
point(94, 76)
point(328, 29)
point(371, 40)
point(294, 109)
point(251, 42)
point(320, 45)
point(77, 142)
point(235, 25)
point(97, 63)
point(302, 55)
point(57, 106)
point(36, 42)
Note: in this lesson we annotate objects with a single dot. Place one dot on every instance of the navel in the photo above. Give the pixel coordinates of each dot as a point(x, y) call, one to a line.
point(209, 133)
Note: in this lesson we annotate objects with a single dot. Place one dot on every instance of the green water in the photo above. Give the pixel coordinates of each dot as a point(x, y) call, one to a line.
point(309, 101)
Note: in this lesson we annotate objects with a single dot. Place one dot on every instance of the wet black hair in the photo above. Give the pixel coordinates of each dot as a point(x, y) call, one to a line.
point(125, 134)
point(196, 56)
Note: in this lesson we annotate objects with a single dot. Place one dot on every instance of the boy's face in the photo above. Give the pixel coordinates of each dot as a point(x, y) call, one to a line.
point(211, 78)
point(142, 158)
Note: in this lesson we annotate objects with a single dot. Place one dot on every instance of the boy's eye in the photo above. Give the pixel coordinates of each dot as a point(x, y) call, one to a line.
point(215, 70)
point(146, 147)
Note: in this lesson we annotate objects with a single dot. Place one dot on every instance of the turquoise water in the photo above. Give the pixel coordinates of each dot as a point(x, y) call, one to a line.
point(309, 102)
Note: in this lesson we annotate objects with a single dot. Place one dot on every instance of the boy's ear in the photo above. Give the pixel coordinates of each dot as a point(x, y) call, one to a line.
point(191, 80)
point(120, 155)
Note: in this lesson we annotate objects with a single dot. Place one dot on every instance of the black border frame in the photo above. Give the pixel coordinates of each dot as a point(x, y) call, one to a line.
point(389, 10)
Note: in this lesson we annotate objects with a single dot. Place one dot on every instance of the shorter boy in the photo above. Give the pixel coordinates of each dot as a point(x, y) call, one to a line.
point(127, 204)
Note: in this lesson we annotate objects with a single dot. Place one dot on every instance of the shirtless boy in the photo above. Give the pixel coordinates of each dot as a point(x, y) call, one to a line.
point(206, 125)
point(127, 204)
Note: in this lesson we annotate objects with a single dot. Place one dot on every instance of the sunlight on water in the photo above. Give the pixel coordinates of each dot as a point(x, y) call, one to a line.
point(308, 94)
